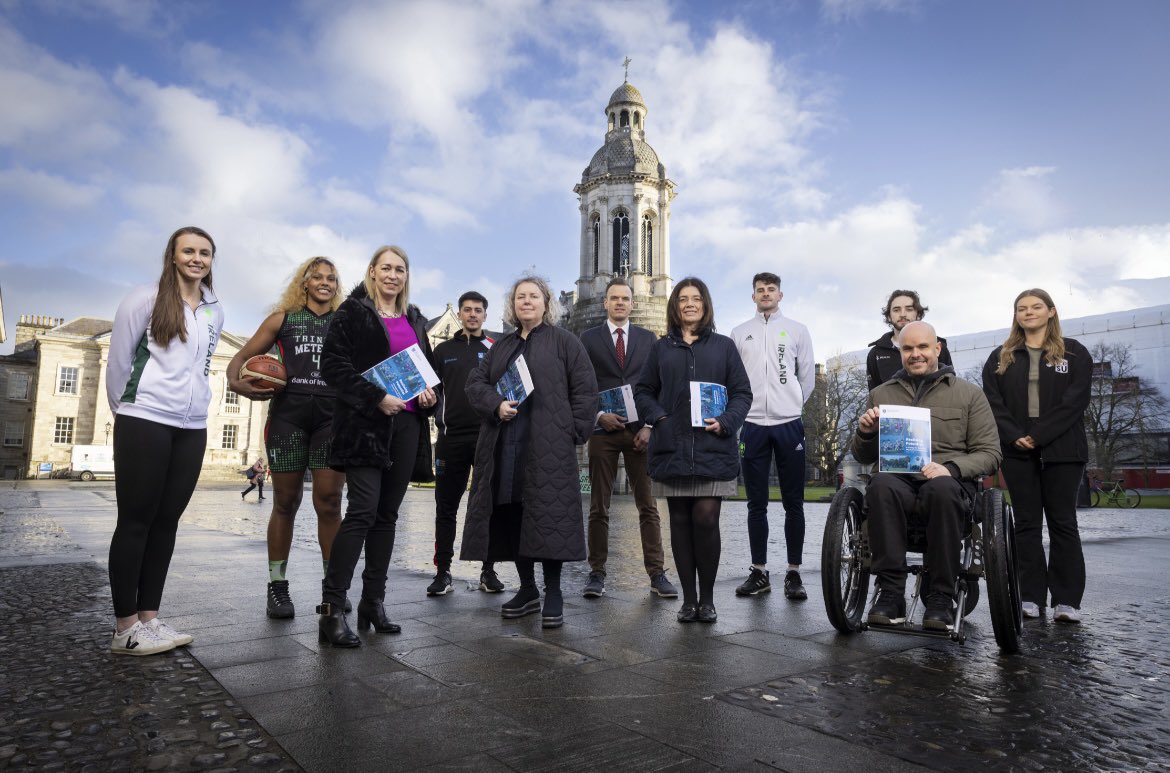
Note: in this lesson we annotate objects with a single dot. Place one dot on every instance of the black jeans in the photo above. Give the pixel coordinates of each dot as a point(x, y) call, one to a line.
point(454, 458)
point(1047, 493)
point(374, 495)
point(942, 502)
point(157, 468)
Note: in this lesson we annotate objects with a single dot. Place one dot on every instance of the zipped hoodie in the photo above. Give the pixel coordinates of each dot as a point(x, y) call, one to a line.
point(167, 383)
point(778, 355)
point(454, 361)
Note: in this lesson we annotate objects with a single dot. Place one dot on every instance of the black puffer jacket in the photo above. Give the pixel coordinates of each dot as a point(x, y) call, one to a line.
point(1065, 389)
point(356, 342)
point(676, 448)
point(564, 408)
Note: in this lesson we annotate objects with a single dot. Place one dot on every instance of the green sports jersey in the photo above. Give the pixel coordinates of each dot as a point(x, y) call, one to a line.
point(301, 337)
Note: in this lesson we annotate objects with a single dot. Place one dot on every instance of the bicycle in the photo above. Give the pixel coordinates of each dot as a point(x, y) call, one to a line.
point(1113, 493)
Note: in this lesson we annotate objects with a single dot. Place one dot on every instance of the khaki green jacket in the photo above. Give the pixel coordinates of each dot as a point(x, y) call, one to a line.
point(962, 426)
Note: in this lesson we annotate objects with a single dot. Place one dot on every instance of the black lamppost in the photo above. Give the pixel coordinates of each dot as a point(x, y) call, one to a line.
point(108, 428)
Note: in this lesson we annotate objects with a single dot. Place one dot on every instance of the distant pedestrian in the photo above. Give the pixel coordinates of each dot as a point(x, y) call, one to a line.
point(693, 467)
point(376, 439)
point(157, 384)
point(256, 475)
point(525, 502)
point(299, 419)
point(1039, 384)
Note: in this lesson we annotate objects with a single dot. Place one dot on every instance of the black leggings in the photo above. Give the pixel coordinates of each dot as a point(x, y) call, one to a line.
point(694, 540)
point(157, 467)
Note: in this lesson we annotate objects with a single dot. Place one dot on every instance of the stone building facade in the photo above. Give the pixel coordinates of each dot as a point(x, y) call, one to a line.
point(624, 197)
point(54, 383)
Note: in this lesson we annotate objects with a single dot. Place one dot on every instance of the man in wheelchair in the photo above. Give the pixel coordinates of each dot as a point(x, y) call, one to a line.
point(964, 447)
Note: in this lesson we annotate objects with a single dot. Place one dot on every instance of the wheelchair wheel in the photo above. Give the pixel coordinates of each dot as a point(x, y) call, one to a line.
point(1131, 498)
point(972, 597)
point(999, 560)
point(844, 578)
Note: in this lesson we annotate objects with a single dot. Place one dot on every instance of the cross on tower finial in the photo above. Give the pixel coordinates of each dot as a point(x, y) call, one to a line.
point(626, 64)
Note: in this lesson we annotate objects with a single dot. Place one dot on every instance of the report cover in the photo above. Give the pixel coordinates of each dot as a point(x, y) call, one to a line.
point(516, 383)
point(708, 401)
point(903, 438)
point(405, 375)
point(619, 400)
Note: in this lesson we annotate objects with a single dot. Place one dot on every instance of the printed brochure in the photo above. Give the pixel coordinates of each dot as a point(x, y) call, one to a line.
point(516, 383)
point(405, 375)
point(903, 438)
point(708, 401)
point(619, 400)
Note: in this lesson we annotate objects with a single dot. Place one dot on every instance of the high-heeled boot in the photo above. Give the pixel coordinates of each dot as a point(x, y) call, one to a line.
point(371, 612)
point(552, 613)
point(333, 628)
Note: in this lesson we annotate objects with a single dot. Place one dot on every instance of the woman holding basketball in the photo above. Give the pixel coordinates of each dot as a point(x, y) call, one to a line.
point(299, 420)
point(156, 381)
point(375, 438)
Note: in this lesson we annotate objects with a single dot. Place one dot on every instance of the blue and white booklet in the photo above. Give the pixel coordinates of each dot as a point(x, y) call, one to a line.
point(405, 375)
point(516, 383)
point(708, 401)
point(619, 400)
point(903, 438)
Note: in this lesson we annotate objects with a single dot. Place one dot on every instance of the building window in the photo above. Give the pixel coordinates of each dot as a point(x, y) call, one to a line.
point(1102, 370)
point(18, 386)
point(13, 434)
point(231, 401)
point(647, 244)
point(230, 433)
point(625, 119)
point(621, 244)
point(595, 230)
point(63, 430)
point(66, 380)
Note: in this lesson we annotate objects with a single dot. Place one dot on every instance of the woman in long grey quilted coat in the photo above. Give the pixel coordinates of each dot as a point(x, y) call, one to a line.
point(525, 503)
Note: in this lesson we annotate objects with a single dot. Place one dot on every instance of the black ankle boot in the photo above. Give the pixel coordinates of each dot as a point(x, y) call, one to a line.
point(552, 614)
point(372, 612)
point(525, 602)
point(333, 628)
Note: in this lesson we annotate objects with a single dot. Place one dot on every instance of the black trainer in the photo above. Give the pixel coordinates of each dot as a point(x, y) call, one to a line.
point(757, 582)
point(793, 587)
point(489, 582)
point(280, 605)
point(940, 613)
point(889, 609)
point(441, 585)
point(595, 587)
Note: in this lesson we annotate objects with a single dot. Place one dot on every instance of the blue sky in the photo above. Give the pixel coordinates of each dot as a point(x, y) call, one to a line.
point(969, 150)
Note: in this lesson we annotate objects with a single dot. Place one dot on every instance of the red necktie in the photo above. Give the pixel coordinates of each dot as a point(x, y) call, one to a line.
point(621, 349)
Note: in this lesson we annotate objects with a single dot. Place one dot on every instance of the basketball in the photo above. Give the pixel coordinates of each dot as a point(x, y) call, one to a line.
point(266, 370)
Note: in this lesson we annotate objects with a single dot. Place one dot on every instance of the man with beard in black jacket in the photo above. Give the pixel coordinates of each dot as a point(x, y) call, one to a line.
point(458, 425)
point(885, 359)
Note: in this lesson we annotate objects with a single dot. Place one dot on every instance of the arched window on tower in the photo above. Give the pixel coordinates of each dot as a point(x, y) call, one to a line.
point(625, 119)
point(637, 119)
point(595, 234)
point(648, 244)
point(612, 119)
point(621, 244)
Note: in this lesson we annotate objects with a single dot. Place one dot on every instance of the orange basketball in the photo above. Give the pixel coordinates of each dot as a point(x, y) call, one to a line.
point(267, 370)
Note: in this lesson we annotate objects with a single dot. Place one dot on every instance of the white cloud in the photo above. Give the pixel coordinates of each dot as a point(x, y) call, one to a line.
point(47, 190)
point(852, 10)
point(1023, 197)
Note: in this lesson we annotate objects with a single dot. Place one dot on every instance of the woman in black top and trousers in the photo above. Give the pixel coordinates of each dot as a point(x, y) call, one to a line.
point(693, 467)
point(1038, 384)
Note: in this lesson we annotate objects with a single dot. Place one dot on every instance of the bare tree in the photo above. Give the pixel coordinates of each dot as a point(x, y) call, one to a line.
point(830, 415)
point(1124, 414)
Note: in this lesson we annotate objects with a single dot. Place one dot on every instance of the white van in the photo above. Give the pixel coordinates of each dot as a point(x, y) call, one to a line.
point(92, 462)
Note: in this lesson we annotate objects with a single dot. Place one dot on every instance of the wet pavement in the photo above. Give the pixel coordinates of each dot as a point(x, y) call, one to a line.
point(621, 686)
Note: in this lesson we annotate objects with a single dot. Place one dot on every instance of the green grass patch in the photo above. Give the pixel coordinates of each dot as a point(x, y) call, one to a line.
point(811, 493)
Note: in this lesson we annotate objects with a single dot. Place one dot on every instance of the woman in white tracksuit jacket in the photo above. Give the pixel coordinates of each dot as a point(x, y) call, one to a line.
point(157, 383)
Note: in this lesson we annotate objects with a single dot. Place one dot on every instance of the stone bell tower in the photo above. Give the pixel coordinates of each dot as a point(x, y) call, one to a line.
point(624, 199)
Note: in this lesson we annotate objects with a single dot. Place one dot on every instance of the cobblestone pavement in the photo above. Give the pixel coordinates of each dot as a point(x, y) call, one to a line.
point(620, 686)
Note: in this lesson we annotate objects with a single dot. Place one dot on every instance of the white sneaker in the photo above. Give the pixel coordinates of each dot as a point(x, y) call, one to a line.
point(1030, 609)
point(164, 631)
point(1063, 613)
point(139, 639)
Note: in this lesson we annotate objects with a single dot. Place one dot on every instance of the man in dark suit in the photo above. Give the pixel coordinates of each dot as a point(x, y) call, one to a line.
point(618, 350)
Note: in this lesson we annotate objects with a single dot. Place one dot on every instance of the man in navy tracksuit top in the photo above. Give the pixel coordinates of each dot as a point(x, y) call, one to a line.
point(458, 425)
point(778, 355)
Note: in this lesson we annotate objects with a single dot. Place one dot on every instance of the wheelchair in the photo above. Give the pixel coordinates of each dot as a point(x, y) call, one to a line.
point(988, 552)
